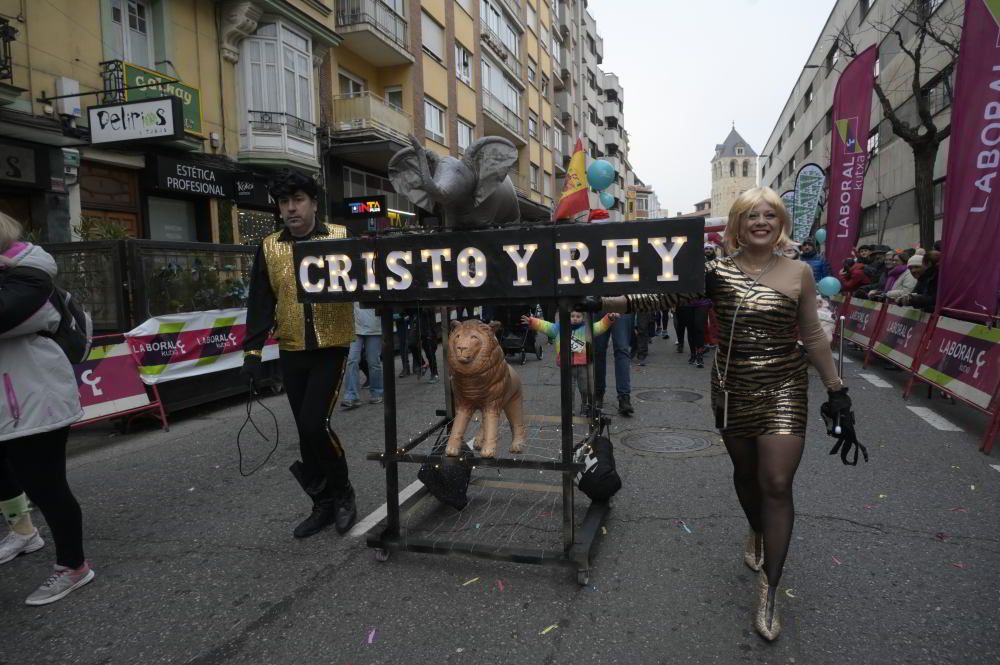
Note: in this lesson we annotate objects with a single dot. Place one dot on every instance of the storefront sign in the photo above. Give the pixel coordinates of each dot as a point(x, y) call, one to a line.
point(572, 260)
point(862, 319)
point(136, 77)
point(19, 165)
point(173, 175)
point(902, 330)
point(178, 346)
point(252, 190)
point(962, 358)
point(365, 207)
point(136, 121)
point(108, 381)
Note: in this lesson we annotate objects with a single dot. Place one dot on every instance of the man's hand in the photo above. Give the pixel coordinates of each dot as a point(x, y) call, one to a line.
point(614, 316)
point(252, 372)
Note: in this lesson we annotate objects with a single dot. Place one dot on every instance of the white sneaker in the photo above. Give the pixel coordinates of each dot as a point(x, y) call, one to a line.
point(15, 545)
point(61, 583)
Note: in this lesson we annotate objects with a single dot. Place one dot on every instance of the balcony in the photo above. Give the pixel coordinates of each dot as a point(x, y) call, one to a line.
point(611, 137)
point(9, 93)
point(502, 51)
point(279, 139)
point(612, 112)
point(500, 118)
point(565, 104)
point(367, 130)
point(612, 87)
point(373, 30)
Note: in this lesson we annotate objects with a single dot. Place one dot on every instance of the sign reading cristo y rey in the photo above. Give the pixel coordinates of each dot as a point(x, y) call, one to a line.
point(137, 77)
point(529, 263)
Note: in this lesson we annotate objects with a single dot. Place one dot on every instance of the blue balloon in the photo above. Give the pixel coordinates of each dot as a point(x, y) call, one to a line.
point(607, 200)
point(821, 235)
point(600, 174)
point(829, 286)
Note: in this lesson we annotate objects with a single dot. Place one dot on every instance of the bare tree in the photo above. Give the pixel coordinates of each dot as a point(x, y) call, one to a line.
point(928, 36)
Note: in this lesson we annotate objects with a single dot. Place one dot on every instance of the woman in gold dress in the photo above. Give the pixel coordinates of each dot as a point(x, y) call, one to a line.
point(765, 304)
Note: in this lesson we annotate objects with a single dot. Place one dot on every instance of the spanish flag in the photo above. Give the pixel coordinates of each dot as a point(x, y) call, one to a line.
point(574, 203)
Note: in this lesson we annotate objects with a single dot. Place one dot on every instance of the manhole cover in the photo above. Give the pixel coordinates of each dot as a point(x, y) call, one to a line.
point(673, 442)
point(668, 395)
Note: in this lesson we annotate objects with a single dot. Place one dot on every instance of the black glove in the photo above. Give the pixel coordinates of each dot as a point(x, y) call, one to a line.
point(252, 372)
point(589, 304)
point(837, 412)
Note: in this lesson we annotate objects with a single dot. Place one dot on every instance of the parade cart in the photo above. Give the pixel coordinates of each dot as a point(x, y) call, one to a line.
point(512, 514)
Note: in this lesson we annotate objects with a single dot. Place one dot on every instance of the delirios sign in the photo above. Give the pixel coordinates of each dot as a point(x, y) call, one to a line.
point(136, 121)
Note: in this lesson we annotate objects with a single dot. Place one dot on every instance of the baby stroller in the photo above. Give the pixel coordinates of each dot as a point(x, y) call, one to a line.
point(517, 339)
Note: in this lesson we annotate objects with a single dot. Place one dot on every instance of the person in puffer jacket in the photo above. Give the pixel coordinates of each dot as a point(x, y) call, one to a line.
point(38, 404)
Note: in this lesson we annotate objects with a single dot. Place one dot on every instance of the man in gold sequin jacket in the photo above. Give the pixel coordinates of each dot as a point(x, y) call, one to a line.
point(313, 342)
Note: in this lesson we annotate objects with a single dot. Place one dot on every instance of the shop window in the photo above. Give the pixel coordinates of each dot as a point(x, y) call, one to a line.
point(276, 63)
point(173, 219)
point(361, 183)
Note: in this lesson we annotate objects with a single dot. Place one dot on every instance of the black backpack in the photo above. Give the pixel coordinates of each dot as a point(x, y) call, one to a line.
point(447, 481)
point(600, 480)
point(75, 326)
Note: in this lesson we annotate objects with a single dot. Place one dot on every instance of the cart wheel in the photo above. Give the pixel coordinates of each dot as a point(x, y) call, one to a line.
point(538, 351)
point(523, 356)
point(381, 554)
point(277, 387)
point(583, 576)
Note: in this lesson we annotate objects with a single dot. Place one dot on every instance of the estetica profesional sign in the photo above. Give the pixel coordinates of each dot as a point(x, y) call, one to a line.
point(136, 121)
point(183, 177)
point(571, 260)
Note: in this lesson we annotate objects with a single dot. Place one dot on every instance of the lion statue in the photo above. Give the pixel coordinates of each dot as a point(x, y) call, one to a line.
point(481, 380)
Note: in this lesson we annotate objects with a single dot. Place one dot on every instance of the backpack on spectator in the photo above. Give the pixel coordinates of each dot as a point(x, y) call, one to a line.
point(75, 326)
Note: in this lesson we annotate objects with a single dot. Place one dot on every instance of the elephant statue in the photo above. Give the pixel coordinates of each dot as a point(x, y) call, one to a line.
point(473, 191)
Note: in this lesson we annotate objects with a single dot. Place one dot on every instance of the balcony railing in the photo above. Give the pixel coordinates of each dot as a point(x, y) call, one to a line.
point(369, 111)
point(277, 132)
point(375, 13)
point(510, 58)
point(507, 117)
point(7, 35)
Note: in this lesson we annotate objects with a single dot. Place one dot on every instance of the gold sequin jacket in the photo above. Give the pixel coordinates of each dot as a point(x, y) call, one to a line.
point(273, 302)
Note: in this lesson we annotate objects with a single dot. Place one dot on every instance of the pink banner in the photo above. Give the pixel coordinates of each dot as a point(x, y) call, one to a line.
point(962, 358)
point(971, 230)
point(852, 109)
point(108, 381)
point(862, 321)
point(902, 330)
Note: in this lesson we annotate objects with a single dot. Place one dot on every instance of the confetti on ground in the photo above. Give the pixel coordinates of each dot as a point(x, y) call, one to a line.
point(604, 530)
point(371, 636)
point(869, 506)
point(955, 466)
point(545, 514)
point(960, 566)
point(549, 629)
point(942, 536)
point(472, 581)
point(837, 561)
point(682, 524)
point(972, 487)
point(883, 496)
point(788, 592)
point(499, 584)
point(958, 509)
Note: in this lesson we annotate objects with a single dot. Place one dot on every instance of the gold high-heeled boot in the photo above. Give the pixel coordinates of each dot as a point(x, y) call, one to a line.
point(754, 543)
point(766, 620)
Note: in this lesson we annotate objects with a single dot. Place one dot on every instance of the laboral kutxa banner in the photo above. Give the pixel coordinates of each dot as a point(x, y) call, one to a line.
point(901, 334)
point(108, 381)
point(861, 320)
point(971, 230)
point(178, 346)
point(963, 358)
point(852, 109)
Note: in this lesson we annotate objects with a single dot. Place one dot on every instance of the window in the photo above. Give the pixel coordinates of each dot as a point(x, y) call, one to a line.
point(547, 184)
point(546, 135)
point(544, 38)
point(873, 142)
point(491, 15)
point(545, 85)
point(433, 36)
point(132, 38)
point(869, 221)
point(534, 177)
point(938, 94)
point(930, 6)
point(434, 120)
point(510, 38)
point(878, 66)
point(361, 183)
point(277, 71)
point(763, 170)
point(465, 4)
point(739, 150)
point(939, 199)
point(829, 122)
point(350, 85)
point(532, 70)
point(394, 96)
point(779, 145)
point(833, 56)
point(591, 80)
point(732, 168)
point(532, 19)
point(556, 49)
point(746, 168)
point(532, 124)
point(809, 143)
point(463, 64)
point(809, 96)
point(465, 135)
point(791, 124)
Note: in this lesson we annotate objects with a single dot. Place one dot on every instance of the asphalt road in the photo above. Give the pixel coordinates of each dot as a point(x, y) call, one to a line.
point(895, 561)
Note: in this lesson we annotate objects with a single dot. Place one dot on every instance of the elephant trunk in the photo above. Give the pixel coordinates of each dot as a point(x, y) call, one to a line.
point(427, 177)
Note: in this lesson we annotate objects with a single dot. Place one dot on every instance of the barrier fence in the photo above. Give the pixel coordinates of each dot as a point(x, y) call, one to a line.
point(958, 357)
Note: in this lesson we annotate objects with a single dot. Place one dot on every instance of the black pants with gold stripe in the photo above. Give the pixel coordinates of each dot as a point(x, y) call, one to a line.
point(313, 382)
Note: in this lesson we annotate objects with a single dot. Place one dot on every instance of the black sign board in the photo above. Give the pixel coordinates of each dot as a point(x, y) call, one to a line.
point(24, 165)
point(527, 263)
point(252, 190)
point(365, 207)
point(184, 177)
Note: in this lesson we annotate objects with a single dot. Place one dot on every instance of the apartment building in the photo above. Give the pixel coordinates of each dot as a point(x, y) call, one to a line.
point(802, 133)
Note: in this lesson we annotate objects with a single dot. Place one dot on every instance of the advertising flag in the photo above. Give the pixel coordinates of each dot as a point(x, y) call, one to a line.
point(852, 110)
point(574, 202)
point(808, 194)
point(971, 229)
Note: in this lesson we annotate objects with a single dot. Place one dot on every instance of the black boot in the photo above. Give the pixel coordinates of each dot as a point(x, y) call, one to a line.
point(347, 511)
point(323, 514)
point(625, 405)
point(699, 359)
point(680, 347)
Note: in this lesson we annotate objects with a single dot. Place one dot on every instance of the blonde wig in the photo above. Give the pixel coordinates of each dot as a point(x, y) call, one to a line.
point(733, 238)
point(10, 231)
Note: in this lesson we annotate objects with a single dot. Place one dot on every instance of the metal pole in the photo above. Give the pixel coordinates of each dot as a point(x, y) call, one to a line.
point(389, 418)
point(840, 371)
point(566, 420)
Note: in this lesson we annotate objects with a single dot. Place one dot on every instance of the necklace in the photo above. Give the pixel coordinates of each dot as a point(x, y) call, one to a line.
point(751, 269)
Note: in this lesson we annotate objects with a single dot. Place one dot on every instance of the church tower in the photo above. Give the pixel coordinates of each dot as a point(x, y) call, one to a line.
point(734, 170)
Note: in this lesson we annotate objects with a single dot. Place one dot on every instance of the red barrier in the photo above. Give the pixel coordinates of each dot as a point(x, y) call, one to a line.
point(110, 387)
point(899, 336)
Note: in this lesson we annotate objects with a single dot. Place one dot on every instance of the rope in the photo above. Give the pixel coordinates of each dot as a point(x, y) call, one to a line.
point(250, 421)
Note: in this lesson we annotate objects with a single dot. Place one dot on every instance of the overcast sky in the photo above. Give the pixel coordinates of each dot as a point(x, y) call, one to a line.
point(691, 69)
